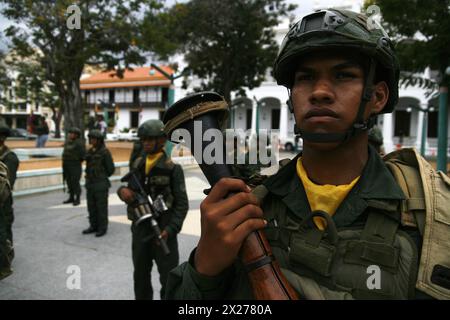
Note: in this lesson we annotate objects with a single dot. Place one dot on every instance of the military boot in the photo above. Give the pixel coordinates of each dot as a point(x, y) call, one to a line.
point(76, 200)
point(89, 230)
point(70, 200)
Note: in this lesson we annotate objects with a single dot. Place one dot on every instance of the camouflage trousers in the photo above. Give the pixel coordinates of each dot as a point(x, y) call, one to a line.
point(144, 253)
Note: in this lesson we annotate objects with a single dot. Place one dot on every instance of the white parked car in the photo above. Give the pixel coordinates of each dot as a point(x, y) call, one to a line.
point(112, 136)
point(128, 136)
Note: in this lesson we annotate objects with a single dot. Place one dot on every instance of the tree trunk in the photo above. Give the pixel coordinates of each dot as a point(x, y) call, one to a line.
point(73, 108)
point(56, 117)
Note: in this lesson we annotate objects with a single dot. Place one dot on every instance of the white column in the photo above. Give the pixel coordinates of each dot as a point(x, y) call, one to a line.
point(388, 130)
point(254, 106)
point(284, 121)
point(420, 117)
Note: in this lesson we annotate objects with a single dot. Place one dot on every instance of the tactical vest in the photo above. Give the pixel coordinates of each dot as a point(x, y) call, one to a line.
point(376, 260)
point(95, 169)
point(71, 151)
point(343, 259)
point(158, 182)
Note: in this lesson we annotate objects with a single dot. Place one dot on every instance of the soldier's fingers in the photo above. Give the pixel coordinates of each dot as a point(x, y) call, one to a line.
point(249, 211)
point(238, 201)
point(225, 186)
point(227, 206)
point(244, 229)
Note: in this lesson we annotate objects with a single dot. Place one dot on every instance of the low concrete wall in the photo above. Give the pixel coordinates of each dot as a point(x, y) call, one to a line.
point(45, 180)
point(38, 181)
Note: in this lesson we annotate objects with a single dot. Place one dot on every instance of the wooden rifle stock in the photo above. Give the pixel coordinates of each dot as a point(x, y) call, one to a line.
point(266, 279)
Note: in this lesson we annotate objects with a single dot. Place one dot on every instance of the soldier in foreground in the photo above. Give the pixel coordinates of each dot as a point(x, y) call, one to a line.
point(335, 210)
point(73, 156)
point(10, 159)
point(5, 244)
point(159, 176)
point(99, 167)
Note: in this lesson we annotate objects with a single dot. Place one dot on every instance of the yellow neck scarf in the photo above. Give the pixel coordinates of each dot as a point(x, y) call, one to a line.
point(325, 197)
point(151, 161)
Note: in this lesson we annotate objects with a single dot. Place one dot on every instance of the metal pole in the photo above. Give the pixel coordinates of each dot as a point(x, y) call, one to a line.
point(442, 130)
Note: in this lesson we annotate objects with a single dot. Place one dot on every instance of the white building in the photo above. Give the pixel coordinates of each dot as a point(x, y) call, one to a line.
point(140, 95)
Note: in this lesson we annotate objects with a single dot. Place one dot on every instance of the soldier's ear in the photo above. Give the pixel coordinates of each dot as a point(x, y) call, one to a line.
point(380, 97)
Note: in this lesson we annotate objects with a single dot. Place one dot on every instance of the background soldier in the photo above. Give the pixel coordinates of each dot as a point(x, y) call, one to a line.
point(73, 156)
point(159, 176)
point(9, 158)
point(99, 166)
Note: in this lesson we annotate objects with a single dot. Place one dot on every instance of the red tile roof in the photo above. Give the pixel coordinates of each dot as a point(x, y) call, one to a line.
point(138, 77)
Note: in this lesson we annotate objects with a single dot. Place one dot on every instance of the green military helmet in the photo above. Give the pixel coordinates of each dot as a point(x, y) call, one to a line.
point(375, 136)
point(75, 130)
point(151, 128)
point(4, 129)
point(341, 30)
point(94, 133)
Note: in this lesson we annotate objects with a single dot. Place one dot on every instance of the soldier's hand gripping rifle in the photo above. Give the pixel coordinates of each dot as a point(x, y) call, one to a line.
point(209, 109)
point(145, 209)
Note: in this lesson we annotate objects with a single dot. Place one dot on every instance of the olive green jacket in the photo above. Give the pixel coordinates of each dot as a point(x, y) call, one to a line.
point(74, 151)
point(99, 166)
point(174, 193)
point(376, 188)
point(9, 158)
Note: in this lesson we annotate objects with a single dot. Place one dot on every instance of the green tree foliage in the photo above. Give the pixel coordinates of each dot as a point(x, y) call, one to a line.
point(421, 29)
point(32, 86)
point(108, 37)
point(228, 44)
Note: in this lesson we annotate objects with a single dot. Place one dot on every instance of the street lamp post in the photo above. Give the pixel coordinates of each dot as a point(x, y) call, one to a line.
point(442, 123)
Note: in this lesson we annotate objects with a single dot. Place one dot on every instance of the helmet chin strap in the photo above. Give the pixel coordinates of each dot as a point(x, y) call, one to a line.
point(358, 126)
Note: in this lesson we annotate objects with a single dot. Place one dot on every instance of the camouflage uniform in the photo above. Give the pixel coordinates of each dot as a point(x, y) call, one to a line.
point(99, 166)
point(164, 178)
point(73, 157)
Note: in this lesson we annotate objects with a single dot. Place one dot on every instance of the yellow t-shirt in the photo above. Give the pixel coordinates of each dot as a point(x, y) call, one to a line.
point(325, 197)
point(151, 161)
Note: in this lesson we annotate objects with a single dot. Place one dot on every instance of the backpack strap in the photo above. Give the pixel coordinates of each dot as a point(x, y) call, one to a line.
point(413, 208)
point(3, 155)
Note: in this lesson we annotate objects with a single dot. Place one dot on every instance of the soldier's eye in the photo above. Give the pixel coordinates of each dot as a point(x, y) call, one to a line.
point(345, 75)
point(303, 77)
